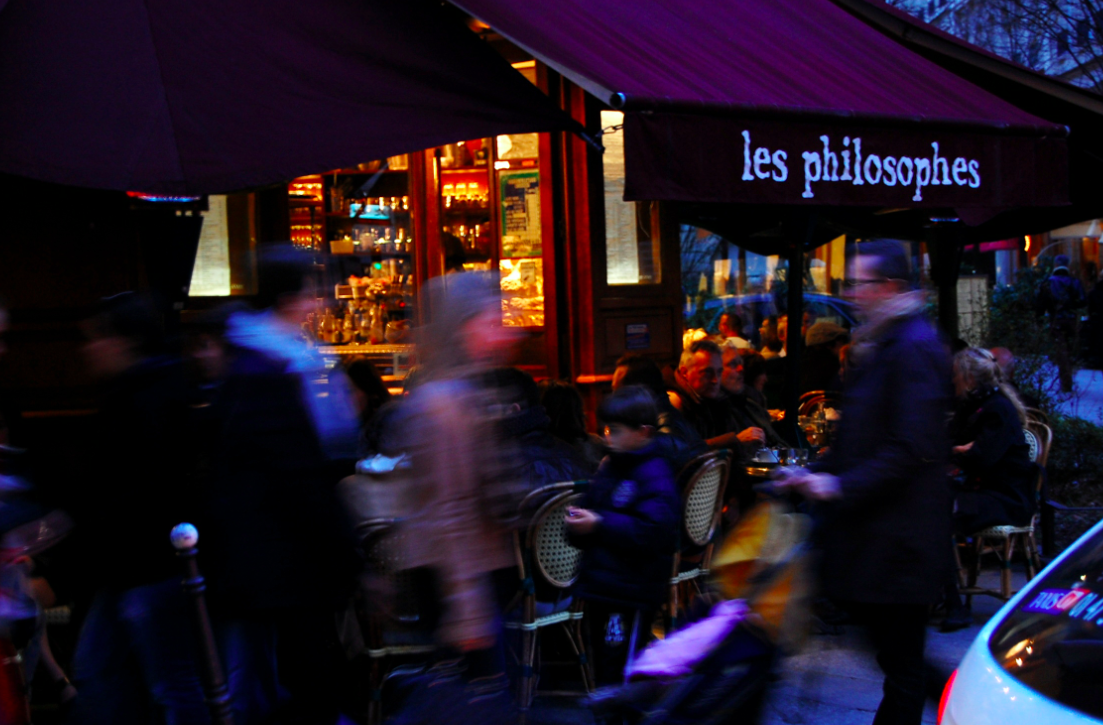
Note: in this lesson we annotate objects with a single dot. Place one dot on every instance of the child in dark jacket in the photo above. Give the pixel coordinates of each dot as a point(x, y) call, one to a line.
point(627, 528)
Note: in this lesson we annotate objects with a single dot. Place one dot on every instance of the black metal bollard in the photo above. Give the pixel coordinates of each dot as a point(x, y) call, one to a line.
point(216, 692)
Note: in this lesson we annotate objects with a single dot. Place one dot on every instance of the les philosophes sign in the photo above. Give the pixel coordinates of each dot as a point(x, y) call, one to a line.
point(683, 157)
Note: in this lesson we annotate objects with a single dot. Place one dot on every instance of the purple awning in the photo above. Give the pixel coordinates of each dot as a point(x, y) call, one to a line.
point(210, 96)
point(697, 78)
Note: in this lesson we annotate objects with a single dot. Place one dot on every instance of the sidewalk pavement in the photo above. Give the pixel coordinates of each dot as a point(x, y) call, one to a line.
point(834, 680)
point(1088, 403)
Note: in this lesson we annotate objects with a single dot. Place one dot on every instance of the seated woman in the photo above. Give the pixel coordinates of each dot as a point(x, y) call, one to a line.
point(996, 485)
point(989, 447)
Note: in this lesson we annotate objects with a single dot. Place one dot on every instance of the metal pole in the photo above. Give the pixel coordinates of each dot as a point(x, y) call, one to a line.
point(216, 692)
point(794, 341)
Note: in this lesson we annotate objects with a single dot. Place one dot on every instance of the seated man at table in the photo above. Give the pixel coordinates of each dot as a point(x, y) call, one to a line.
point(697, 393)
point(744, 412)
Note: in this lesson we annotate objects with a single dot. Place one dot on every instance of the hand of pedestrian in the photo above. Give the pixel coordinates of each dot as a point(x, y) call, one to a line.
point(751, 435)
point(582, 521)
point(820, 487)
point(786, 478)
point(958, 450)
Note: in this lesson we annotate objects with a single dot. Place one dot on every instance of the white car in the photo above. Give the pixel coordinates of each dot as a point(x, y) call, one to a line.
point(1039, 661)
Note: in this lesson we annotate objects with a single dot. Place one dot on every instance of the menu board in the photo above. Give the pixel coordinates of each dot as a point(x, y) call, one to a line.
point(520, 203)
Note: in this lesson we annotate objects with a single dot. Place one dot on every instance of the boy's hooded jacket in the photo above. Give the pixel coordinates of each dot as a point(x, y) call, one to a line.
point(628, 557)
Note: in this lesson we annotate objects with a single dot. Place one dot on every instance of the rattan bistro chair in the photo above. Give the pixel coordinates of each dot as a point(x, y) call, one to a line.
point(548, 563)
point(1001, 541)
point(397, 631)
point(702, 507)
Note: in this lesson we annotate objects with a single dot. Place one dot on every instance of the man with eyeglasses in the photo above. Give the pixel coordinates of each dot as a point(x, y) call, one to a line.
point(884, 501)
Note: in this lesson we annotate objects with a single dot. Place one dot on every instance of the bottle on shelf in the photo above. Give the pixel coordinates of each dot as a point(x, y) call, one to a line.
point(348, 332)
point(378, 324)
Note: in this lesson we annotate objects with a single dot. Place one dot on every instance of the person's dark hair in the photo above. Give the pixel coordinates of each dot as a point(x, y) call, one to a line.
point(213, 321)
point(733, 321)
point(563, 404)
point(754, 365)
point(134, 317)
point(282, 270)
point(630, 405)
point(516, 385)
point(892, 259)
point(642, 371)
point(1061, 260)
point(455, 256)
point(364, 375)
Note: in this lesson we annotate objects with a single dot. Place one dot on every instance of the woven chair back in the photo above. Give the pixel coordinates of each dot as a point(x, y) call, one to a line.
point(553, 556)
point(385, 556)
point(1032, 441)
point(1043, 434)
point(701, 500)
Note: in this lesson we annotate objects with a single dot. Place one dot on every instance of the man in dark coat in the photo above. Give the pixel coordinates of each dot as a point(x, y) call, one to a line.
point(281, 554)
point(886, 501)
point(1060, 297)
point(134, 660)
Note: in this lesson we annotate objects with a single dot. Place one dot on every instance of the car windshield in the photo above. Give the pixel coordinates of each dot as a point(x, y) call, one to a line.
point(1053, 640)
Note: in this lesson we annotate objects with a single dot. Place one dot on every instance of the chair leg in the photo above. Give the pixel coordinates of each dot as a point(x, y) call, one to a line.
point(1033, 561)
point(1005, 570)
point(672, 619)
point(960, 570)
point(528, 659)
point(974, 569)
point(583, 658)
point(375, 705)
point(570, 630)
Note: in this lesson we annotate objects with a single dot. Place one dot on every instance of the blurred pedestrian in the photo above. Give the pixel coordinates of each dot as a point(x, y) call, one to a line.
point(1060, 297)
point(884, 521)
point(627, 528)
point(285, 296)
point(279, 554)
point(134, 659)
point(467, 504)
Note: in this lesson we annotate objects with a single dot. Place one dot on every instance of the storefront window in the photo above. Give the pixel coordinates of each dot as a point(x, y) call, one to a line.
point(719, 276)
point(631, 249)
